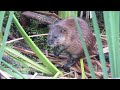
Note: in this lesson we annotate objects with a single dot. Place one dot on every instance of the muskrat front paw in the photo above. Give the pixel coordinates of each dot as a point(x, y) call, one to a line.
point(66, 67)
point(56, 54)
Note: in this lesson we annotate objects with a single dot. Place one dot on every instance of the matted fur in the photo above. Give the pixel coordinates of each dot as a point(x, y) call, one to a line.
point(65, 33)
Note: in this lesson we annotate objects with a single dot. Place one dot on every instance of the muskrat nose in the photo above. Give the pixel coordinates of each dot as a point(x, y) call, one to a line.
point(50, 42)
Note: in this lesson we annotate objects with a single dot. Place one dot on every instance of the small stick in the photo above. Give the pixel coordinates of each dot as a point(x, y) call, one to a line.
point(97, 62)
point(4, 74)
point(23, 38)
point(46, 53)
point(24, 50)
point(49, 14)
point(86, 67)
point(34, 76)
point(66, 74)
point(32, 53)
point(76, 74)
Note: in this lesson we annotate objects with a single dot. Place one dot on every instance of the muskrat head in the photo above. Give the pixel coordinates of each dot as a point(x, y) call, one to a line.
point(56, 35)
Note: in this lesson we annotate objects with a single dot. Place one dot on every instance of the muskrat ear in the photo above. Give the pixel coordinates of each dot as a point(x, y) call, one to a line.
point(61, 28)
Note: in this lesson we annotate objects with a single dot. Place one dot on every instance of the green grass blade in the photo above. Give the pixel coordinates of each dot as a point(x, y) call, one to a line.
point(2, 13)
point(108, 36)
point(118, 43)
point(39, 54)
point(84, 47)
point(82, 68)
point(21, 58)
point(66, 14)
point(99, 43)
point(111, 15)
point(19, 73)
point(114, 23)
point(11, 73)
point(1, 37)
point(56, 75)
point(6, 34)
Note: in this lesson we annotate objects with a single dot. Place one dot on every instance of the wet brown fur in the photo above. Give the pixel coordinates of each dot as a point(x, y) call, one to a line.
point(72, 42)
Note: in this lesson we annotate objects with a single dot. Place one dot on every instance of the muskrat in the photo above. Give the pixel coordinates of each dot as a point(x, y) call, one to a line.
point(64, 36)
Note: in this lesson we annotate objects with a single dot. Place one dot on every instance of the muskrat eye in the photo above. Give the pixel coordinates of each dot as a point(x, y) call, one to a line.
point(55, 36)
point(48, 35)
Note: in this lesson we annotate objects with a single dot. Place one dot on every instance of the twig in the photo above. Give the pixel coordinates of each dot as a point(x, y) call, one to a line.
point(86, 67)
point(97, 62)
point(34, 76)
point(23, 38)
point(4, 74)
point(103, 35)
point(79, 69)
point(38, 77)
point(66, 74)
point(32, 53)
point(24, 50)
point(49, 14)
point(76, 74)
point(81, 14)
point(46, 53)
point(87, 74)
point(108, 65)
point(39, 17)
point(103, 38)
